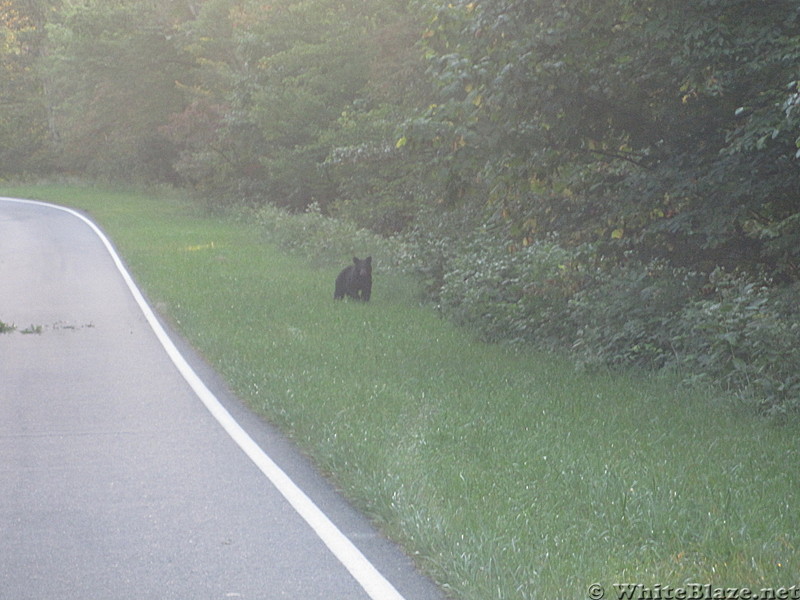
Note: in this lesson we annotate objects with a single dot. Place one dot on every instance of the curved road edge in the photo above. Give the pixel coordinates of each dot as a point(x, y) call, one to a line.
point(362, 570)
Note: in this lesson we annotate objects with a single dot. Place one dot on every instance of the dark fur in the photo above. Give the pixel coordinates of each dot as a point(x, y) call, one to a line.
point(355, 281)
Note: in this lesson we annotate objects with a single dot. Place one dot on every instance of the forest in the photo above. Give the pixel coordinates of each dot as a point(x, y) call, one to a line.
point(617, 179)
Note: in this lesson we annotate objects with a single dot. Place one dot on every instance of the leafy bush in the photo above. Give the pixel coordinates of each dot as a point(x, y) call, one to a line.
point(436, 239)
point(746, 338)
point(323, 240)
point(735, 333)
point(730, 331)
point(624, 317)
point(508, 293)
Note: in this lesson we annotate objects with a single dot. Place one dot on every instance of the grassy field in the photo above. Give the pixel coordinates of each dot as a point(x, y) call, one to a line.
point(506, 474)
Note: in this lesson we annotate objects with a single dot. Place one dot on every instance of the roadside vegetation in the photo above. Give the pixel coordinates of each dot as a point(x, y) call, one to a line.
point(504, 471)
point(619, 181)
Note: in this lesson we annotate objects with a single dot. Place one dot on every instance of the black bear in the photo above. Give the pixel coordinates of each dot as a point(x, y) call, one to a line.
point(355, 281)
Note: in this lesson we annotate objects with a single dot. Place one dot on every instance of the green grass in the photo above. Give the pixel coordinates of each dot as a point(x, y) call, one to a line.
point(506, 474)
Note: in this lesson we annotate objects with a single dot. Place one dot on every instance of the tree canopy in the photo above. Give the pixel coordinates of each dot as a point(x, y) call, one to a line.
point(667, 129)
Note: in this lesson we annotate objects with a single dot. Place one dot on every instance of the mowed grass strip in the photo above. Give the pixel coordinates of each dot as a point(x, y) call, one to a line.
point(505, 473)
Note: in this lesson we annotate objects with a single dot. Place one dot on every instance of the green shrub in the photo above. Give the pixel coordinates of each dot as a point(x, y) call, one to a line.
point(323, 240)
point(437, 238)
point(624, 317)
point(735, 333)
point(508, 293)
point(746, 338)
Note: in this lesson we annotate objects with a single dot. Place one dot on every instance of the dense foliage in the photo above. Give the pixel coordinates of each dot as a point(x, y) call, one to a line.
point(666, 129)
point(620, 177)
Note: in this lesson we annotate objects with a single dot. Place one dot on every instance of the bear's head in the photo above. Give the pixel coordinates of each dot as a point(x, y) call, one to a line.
point(362, 269)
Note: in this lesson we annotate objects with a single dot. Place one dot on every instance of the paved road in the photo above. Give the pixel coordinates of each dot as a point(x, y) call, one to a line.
point(116, 481)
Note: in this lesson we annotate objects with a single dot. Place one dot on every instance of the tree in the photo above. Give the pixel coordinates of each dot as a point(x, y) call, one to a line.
point(113, 68)
point(665, 129)
point(24, 138)
point(378, 184)
point(283, 87)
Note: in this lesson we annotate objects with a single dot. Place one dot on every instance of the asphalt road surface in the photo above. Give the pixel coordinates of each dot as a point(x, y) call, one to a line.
point(128, 470)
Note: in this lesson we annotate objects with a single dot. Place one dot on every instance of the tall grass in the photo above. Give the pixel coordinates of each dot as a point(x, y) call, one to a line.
point(506, 474)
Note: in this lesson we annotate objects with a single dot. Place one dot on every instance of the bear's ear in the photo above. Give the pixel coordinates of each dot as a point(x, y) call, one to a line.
point(368, 260)
point(355, 260)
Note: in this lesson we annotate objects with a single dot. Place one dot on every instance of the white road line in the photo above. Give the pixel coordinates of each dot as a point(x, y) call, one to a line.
point(363, 571)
